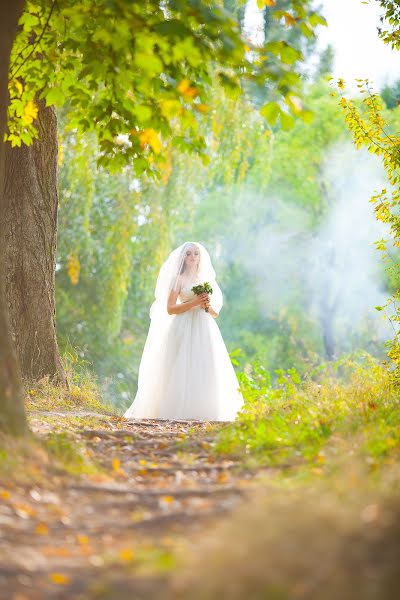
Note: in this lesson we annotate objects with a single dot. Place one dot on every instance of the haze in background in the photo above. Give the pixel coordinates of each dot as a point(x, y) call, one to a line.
point(332, 273)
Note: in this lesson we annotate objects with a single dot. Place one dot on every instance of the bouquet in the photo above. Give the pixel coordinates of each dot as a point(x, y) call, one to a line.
point(203, 288)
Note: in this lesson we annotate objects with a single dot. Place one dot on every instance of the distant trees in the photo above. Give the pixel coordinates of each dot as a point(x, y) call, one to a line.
point(138, 75)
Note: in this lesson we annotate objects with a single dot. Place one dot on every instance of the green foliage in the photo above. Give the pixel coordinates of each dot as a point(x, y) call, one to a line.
point(297, 166)
point(68, 455)
point(391, 19)
point(139, 73)
point(353, 400)
point(106, 324)
point(255, 179)
point(377, 129)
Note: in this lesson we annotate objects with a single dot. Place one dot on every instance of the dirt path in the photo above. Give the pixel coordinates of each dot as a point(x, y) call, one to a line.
point(113, 537)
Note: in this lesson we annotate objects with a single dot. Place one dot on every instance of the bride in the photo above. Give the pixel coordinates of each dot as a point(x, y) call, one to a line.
point(185, 371)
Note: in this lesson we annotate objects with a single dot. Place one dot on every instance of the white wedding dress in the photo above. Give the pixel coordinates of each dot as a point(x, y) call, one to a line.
point(190, 375)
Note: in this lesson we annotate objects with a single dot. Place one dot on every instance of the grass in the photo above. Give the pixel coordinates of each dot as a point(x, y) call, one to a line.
point(57, 450)
point(32, 459)
point(83, 395)
point(330, 527)
point(352, 409)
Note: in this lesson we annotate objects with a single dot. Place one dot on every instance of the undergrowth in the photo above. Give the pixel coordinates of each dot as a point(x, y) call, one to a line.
point(82, 392)
point(351, 406)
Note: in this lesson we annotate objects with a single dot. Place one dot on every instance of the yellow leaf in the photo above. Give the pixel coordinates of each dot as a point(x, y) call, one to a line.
point(185, 89)
point(289, 20)
point(83, 540)
point(167, 499)
point(183, 86)
point(170, 108)
point(60, 154)
point(340, 83)
point(116, 464)
point(24, 510)
point(19, 86)
point(150, 137)
point(126, 554)
point(73, 268)
point(41, 529)
point(30, 112)
point(202, 108)
point(59, 578)
point(222, 477)
point(5, 494)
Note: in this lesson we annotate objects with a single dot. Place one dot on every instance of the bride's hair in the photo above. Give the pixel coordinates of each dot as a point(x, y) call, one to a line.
point(191, 245)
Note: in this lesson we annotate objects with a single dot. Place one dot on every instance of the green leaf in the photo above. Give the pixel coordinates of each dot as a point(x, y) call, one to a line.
point(15, 140)
point(316, 19)
point(287, 121)
point(143, 113)
point(289, 55)
point(149, 63)
point(55, 96)
point(26, 138)
point(306, 115)
point(270, 112)
point(306, 30)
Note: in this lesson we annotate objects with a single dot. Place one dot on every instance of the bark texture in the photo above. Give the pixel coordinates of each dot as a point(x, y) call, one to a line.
point(12, 413)
point(30, 226)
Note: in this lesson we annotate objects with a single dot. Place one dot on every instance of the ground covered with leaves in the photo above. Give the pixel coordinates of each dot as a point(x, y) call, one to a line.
point(299, 498)
point(95, 493)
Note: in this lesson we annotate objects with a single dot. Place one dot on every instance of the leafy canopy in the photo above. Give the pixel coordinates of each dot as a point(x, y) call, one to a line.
point(138, 72)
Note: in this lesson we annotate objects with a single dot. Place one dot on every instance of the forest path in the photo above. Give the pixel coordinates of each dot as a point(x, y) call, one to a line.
point(113, 533)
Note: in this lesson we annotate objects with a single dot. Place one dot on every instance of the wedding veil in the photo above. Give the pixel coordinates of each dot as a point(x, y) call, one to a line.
point(171, 270)
point(167, 280)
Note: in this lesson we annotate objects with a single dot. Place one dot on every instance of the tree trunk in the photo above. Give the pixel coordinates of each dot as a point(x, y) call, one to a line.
point(30, 225)
point(12, 413)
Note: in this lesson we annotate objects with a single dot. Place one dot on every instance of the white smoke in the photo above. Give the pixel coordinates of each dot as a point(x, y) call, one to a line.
point(331, 271)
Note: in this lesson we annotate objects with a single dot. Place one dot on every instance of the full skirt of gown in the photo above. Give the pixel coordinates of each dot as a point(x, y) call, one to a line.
point(190, 375)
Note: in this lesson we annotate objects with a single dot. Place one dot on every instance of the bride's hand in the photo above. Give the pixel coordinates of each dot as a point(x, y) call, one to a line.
point(201, 299)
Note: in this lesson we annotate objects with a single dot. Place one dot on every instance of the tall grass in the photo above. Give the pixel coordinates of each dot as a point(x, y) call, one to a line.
point(353, 400)
point(82, 393)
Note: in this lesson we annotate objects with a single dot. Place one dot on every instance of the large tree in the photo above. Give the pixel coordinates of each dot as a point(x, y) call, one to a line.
point(12, 416)
point(138, 74)
point(29, 223)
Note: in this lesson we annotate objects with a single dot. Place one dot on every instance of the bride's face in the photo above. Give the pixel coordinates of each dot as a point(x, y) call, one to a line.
point(192, 257)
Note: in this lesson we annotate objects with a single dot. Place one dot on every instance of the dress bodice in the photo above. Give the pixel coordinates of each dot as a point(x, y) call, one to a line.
point(186, 293)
